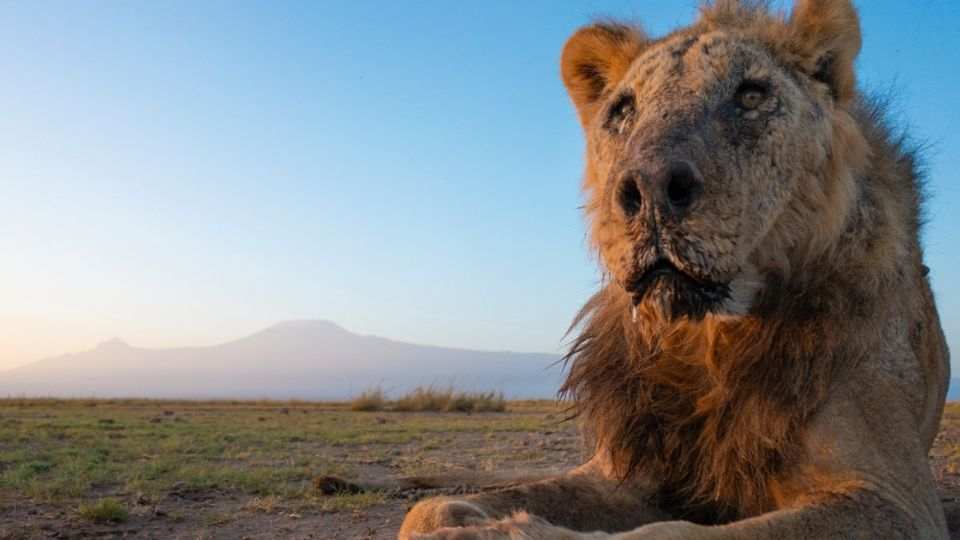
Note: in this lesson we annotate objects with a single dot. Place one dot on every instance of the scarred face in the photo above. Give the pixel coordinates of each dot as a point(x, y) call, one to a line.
point(698, 146)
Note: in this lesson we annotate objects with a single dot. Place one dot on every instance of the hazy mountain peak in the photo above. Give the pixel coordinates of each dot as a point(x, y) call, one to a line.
point(301, 329)
point(113, 344)
point(307, 324)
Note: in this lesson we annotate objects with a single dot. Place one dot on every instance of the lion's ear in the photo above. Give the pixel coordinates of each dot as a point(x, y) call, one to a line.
point(595, 58)
point(827, 32)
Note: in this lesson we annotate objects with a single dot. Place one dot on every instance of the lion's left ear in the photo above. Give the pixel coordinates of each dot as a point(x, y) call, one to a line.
point(827, 32)
point(594, 59)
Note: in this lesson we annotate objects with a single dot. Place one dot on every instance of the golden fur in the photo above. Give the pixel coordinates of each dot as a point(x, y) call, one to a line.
point(783, 374)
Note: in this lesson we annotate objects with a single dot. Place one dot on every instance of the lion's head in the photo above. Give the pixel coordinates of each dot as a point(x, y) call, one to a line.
point(718, 154)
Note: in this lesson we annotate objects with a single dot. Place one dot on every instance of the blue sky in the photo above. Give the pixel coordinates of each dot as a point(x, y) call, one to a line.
point(184, 172)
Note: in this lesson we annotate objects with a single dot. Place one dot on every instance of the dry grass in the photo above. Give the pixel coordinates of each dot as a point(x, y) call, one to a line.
point(430, 399)
point(373, 399)
point(266, 504)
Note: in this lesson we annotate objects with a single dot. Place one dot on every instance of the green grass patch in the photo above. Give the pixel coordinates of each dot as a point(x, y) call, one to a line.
point(104, 511)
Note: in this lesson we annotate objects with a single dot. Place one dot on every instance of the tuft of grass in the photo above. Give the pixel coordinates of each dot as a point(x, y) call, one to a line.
point(266, 504)
point(373, 399)
point(488, 402)
point(104, 511)
point(214, 519)
point(431, 398)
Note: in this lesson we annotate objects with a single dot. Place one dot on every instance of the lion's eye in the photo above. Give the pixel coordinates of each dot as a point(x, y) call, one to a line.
point(620, 115)
point(751, 95)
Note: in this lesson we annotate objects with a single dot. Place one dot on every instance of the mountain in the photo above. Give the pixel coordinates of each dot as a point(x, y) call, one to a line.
point(315, 360)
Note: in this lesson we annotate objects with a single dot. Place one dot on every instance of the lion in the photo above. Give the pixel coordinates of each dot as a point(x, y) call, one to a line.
point(764, 358)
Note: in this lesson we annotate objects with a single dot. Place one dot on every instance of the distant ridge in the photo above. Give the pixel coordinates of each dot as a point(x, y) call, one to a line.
point(299, 359)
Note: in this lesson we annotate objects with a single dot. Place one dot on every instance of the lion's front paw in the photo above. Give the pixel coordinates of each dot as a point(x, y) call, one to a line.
point(519, 527)
point(432, 514)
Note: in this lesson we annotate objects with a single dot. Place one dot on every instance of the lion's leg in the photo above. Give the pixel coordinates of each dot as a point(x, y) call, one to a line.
point(850, 515)
point(582, 500)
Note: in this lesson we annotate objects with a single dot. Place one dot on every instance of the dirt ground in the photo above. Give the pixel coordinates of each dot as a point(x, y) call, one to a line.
point(477, 441)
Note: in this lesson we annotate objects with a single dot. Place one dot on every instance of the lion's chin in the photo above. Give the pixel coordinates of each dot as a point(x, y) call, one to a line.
point(674, 298)
point(677, 295)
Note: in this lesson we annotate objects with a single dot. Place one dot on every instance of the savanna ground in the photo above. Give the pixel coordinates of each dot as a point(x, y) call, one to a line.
point(151, 469)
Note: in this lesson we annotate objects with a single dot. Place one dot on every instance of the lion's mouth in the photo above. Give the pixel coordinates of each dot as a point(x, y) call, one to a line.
point(685, 294)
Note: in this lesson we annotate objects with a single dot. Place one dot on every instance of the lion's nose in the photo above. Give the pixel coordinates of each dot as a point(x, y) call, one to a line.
point(672, 188)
